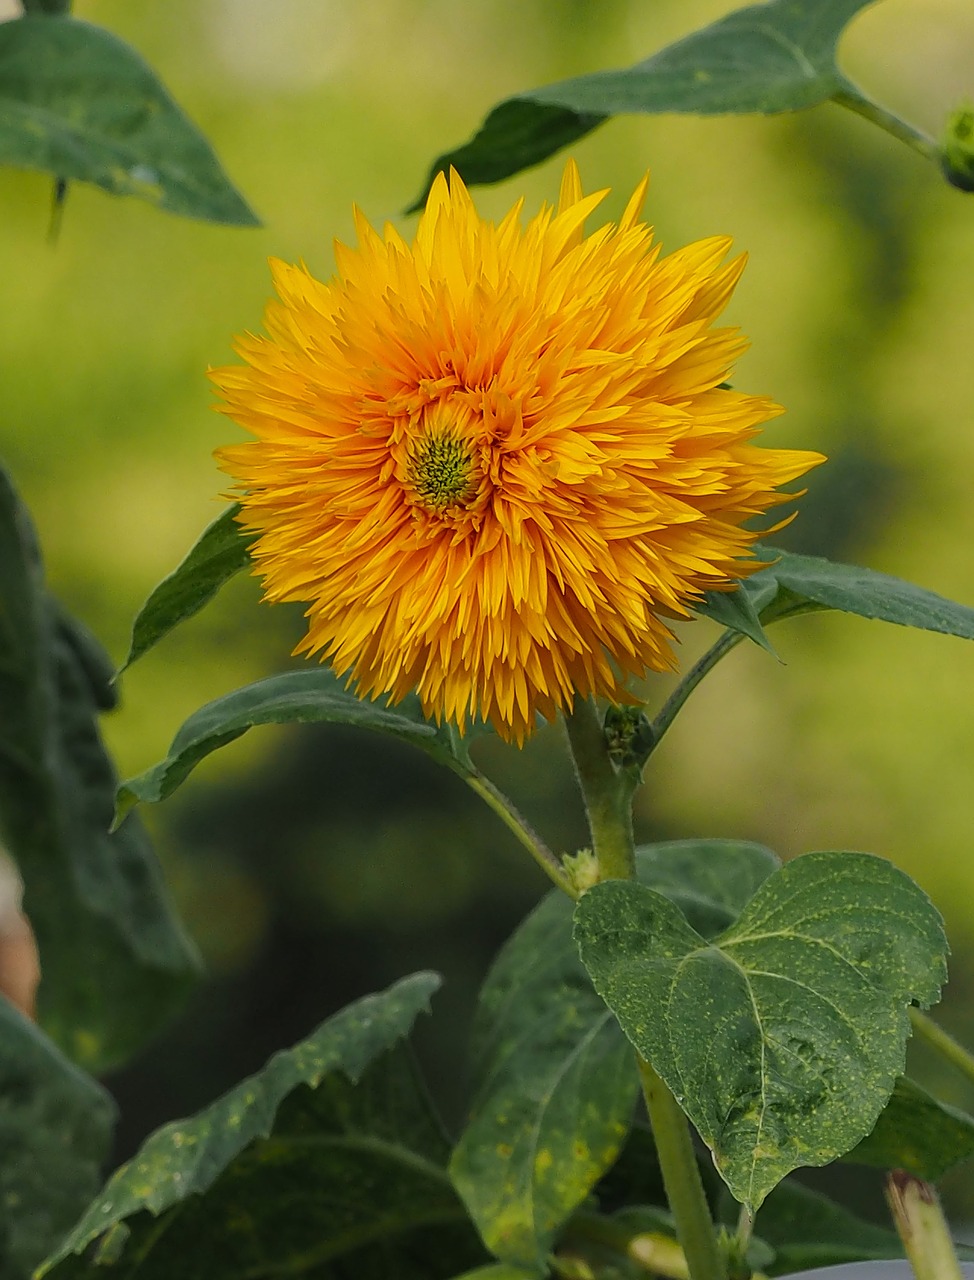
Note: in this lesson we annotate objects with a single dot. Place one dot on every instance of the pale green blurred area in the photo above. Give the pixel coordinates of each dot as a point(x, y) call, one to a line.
point(857, 300)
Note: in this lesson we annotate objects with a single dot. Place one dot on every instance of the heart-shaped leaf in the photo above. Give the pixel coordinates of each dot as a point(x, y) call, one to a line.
point(557, 1087)
point(781, 1039)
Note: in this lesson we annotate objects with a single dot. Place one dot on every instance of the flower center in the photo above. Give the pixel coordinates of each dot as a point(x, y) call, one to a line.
point(440, 472)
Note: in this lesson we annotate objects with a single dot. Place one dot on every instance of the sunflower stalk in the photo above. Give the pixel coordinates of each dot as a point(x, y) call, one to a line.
point(608, 790)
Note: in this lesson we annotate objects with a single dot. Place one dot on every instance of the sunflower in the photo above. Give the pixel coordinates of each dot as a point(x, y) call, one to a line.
point(498, 461)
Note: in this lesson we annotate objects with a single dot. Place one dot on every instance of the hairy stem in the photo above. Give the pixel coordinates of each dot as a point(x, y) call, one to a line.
point(607, 792)
point(943, 1043)
point(681, 1177)
point(549, 862)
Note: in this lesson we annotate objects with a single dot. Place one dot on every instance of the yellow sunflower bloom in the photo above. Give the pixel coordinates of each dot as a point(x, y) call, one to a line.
point(494, 461)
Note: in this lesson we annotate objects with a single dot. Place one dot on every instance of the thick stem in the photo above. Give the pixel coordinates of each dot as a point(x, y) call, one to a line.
point(922, 1227)
point(549, 863)
point(607, 792)
point(681, 1177)
point(944, 1043)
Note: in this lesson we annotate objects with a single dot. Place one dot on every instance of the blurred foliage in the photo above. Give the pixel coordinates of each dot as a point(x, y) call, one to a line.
point(858, 307)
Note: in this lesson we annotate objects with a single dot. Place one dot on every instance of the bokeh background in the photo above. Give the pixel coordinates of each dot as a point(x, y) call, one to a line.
point(314, 866)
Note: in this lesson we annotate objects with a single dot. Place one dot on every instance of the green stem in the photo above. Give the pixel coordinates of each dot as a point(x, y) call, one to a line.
point(607, 792)
point(549, 863)
point(922, 1227)
point(681, 1178)
point(853, 100)
point(943, 1043)
point(674, 703)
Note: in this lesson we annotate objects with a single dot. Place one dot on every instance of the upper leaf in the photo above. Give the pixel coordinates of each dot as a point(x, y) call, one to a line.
point(81, 104)
point(557, 1087)
point(220, 552)
point(310, 696)
point(55, 1128)
point(114, 960)
point(783, 1038)
point(326, 1163)
point(797, 584)
point(778, 56)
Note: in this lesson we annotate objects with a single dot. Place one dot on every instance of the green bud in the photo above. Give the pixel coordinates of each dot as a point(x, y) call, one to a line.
point(628, 736)
point(957, 158)
point(582, 869)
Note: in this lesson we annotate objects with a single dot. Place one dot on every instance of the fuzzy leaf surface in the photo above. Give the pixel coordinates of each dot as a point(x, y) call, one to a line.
point(556, 1089)
point(310, 696)
point(804, 584)
point(55, 1129)
point(81, 104)
point(772, 57)
point(218, 555)
point(327, 1163)
point(917, 1133)
point(783, 1037)
point(114, 959)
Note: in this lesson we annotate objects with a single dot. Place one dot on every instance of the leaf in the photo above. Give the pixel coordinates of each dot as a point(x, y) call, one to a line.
point(55, 1127)
point(557, 1085)
point(711, 881)
point(114, 960)
point(327, 1163)
point(735, 610)
point(498, 1271)
point(917, 1133)
point(782, 1039)
point(221, 551)
point(802, 584)
point(81, 104)
point(297, 697)
point(765, 58)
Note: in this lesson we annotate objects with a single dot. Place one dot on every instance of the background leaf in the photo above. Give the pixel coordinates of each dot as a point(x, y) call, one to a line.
point(309, 696)
point(772, 57)
point(55, 1128)
point(79, 103)
point(781, 1040)
point(556, 1089)
point(221, 551)
point(326, 1163)
point(917, 1133)
point(115, 962)
point(711, 881)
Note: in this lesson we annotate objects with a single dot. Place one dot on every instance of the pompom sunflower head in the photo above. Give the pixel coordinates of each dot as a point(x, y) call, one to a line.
point(497, 461)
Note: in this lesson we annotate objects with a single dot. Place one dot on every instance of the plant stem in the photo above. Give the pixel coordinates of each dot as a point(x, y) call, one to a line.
point(853, 100)
point(944, 1043)
point(681, 1177)
point(549, 863)
point(607, 793)
point(922, 1227)
point(673, 704)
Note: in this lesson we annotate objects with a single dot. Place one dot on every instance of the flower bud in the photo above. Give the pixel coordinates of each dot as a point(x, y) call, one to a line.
point(957, 160)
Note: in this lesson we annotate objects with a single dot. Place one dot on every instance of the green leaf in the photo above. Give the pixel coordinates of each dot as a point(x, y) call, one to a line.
point(917, 1133)
point(804, 584)
point(55, 1128)
point(221, 551)
point(781, 1039)
point(77, 102)
point(327, 1163)
point(735, 610)
point(556, 1089)
point(310, 696)
point(765, 58)
point(711, 881)
point(114, 960)
point(498, 1271)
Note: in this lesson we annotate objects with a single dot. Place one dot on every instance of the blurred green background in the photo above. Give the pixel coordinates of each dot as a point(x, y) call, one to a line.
point(313, 866)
